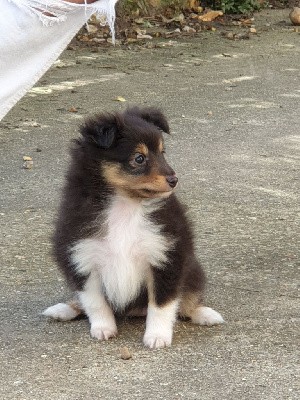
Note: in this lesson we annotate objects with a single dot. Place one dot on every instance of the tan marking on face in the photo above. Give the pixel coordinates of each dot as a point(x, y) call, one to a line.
point(153, 182)
point(142, 148)
point(145, 186)
point(113, 175)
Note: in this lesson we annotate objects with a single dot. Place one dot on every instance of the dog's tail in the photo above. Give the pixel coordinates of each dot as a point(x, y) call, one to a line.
point(64, 311)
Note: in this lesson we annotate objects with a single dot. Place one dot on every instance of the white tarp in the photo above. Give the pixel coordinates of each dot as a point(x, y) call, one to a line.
point(33, 33)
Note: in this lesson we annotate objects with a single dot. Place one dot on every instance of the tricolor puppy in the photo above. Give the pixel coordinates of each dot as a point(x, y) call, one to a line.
point(122, 238)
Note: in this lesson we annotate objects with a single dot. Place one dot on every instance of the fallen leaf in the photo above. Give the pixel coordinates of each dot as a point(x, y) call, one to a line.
point(248, 21)
point(210, 16)
point(73, 110)
point(139, 37)
point(120, 98)
point(178, 18)
point(27, 158)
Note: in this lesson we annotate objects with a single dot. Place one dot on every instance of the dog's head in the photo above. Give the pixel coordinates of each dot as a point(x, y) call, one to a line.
point(130, 150)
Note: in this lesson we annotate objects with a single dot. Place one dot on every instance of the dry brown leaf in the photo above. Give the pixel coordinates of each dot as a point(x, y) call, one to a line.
point(210, 16)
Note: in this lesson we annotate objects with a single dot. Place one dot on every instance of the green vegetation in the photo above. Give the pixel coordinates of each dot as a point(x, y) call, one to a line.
point(238, 6)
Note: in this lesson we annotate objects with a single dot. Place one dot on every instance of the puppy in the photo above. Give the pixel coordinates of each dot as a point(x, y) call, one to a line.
point(122, 238)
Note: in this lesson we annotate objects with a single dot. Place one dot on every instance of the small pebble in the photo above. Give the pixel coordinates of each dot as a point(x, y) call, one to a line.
point(125, 353)
point(28, 164)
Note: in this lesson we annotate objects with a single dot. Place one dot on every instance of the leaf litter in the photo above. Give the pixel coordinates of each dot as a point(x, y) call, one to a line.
point(141, 30)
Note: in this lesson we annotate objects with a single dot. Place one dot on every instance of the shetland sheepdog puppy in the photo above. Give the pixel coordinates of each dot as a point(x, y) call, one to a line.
point(122, 239)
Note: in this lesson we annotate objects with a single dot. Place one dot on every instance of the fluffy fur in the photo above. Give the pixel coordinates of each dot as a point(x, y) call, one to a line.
point(122, 238)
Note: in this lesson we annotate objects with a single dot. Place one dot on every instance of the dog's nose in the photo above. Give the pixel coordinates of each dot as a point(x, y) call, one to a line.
point(172, 180)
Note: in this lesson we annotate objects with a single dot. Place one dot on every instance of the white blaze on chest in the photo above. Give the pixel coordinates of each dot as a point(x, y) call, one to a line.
point(124, 253)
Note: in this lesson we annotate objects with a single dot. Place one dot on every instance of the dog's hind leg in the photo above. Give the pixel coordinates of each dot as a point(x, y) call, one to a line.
point(206, 316)
point(64, 311)
point(191, 307)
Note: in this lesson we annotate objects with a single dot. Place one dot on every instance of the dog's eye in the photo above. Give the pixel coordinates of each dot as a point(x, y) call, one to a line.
point(139, 159)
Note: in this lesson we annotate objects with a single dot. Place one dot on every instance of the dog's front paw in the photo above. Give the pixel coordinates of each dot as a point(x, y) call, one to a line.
point(157, 341)
point(207, 316)
point(103, 332)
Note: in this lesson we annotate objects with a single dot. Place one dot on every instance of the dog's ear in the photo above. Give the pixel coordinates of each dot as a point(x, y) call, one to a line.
point(102, 129)
point(152, 115)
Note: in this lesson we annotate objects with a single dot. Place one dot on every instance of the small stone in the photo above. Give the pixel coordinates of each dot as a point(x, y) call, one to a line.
point(125, 353)
point(73, 110)
point(295, 16)
point(98, 40)
point(28, 164)
point(229, 35)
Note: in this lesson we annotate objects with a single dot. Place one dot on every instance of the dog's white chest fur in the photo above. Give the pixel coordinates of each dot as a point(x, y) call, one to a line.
point(124, 253)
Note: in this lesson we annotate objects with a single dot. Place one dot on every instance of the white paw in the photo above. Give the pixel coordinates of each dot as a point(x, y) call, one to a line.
point(61, 312)
point(103, 332)
point(157, 341)
point(207, 316)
